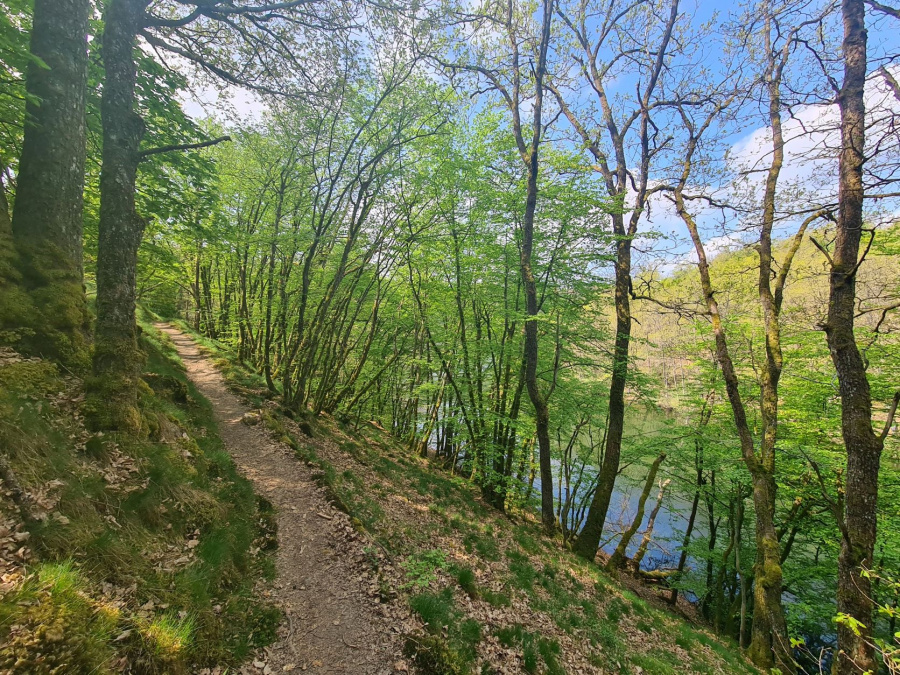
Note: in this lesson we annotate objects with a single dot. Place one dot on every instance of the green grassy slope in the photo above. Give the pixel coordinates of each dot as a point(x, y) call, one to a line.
point(487, 592)
point(120, 551)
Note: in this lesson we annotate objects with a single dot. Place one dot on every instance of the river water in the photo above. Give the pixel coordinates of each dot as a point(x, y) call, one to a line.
point(668, 529)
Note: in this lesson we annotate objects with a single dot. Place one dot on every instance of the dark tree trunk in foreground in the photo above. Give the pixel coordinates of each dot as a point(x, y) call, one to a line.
point(856, 652)
point(538, 399)
point(47, 221)
point(117, 357)
point(589, 538)
point(619, 180)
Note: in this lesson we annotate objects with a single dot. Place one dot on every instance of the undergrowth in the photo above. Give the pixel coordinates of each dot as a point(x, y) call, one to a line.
point(140, 551)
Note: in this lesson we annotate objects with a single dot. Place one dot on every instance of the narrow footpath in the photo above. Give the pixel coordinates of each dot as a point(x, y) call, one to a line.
point(332, 624)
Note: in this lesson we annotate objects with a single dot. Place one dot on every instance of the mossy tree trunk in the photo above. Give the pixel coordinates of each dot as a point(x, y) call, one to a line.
point(47, 220)
point(858, 517)
point(13, 298)
point(113, 402)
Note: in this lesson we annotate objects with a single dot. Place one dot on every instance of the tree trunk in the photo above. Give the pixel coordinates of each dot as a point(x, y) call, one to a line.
point(588, 540)
point(648, 533)
point(617, 560)
point(117, 357)
point(738, 531)
point(856, 652)
point(538, 400)
point(769, 646)
point(682, 558)
point(541, 411)
point(47, 221)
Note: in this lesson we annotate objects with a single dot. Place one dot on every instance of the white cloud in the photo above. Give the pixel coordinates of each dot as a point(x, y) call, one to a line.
point(228, 105)
point(812, 142)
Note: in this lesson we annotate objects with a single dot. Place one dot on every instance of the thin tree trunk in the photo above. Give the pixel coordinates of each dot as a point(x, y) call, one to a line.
point(682, 558)
point(617, 560)
point(739, 526)
point(47, 221)
point(705, 415)
point(648, 533)
point(538, 400)
point(770, 646)
point(589, 539)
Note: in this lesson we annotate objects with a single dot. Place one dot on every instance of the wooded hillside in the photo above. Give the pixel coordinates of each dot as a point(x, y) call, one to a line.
point(630, 270)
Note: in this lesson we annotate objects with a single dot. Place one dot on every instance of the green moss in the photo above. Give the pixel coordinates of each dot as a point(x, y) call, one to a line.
point(43, 306)
point(115, 389)
point(49, 625)
point(433, 656)
point(126, 507)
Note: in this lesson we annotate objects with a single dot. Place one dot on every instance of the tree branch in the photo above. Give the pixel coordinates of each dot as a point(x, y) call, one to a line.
point(890, 11)
point(890, 417)
point(185, 146)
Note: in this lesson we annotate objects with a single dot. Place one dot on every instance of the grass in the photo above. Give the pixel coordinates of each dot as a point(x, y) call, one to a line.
point(537, 652)
point(474, 576)
point(454, 639)
point(465, 577)
point(112, 568)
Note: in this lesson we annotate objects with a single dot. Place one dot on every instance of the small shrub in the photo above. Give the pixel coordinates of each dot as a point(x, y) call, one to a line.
point(465, 577)
point(528, 543)
point(421, 568)
point(436, 609)
point(615, 609)
point(433, 656)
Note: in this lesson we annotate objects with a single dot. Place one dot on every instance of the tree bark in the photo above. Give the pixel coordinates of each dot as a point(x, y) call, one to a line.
point(538, 400)
point(617, 185)
point(589, 538)
point(856, 652)
point(117, 357)
point(648, 533)
point(769, 646)
point(617, 559)
point(47, 220)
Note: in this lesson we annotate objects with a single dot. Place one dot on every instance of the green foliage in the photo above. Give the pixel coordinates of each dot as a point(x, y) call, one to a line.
point(573, 594)
point(434, 654)
point(465, 577)
point(421, 568)
point(536, 650)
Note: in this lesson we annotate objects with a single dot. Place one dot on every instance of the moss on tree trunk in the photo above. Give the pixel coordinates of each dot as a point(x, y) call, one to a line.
point(114, 389)
point(43, 299)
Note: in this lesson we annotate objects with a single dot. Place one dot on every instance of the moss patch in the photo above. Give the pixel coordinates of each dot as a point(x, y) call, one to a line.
point(145, 549)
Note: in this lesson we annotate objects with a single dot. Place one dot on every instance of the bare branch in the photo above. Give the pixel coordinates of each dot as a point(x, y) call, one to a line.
point(890, 417)
point(184, 146)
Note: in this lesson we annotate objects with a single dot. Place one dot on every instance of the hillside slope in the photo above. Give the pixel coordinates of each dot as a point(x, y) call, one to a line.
point(118, 554)
point(482, 591)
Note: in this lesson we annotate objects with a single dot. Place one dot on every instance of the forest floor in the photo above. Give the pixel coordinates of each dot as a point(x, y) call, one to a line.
point(388, 561)
point(332, 624)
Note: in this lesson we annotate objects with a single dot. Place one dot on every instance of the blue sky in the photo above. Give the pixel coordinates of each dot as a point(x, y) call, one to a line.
point(813, 129)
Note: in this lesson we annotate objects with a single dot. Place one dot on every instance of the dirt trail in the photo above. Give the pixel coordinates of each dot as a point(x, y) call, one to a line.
point(332, 624)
